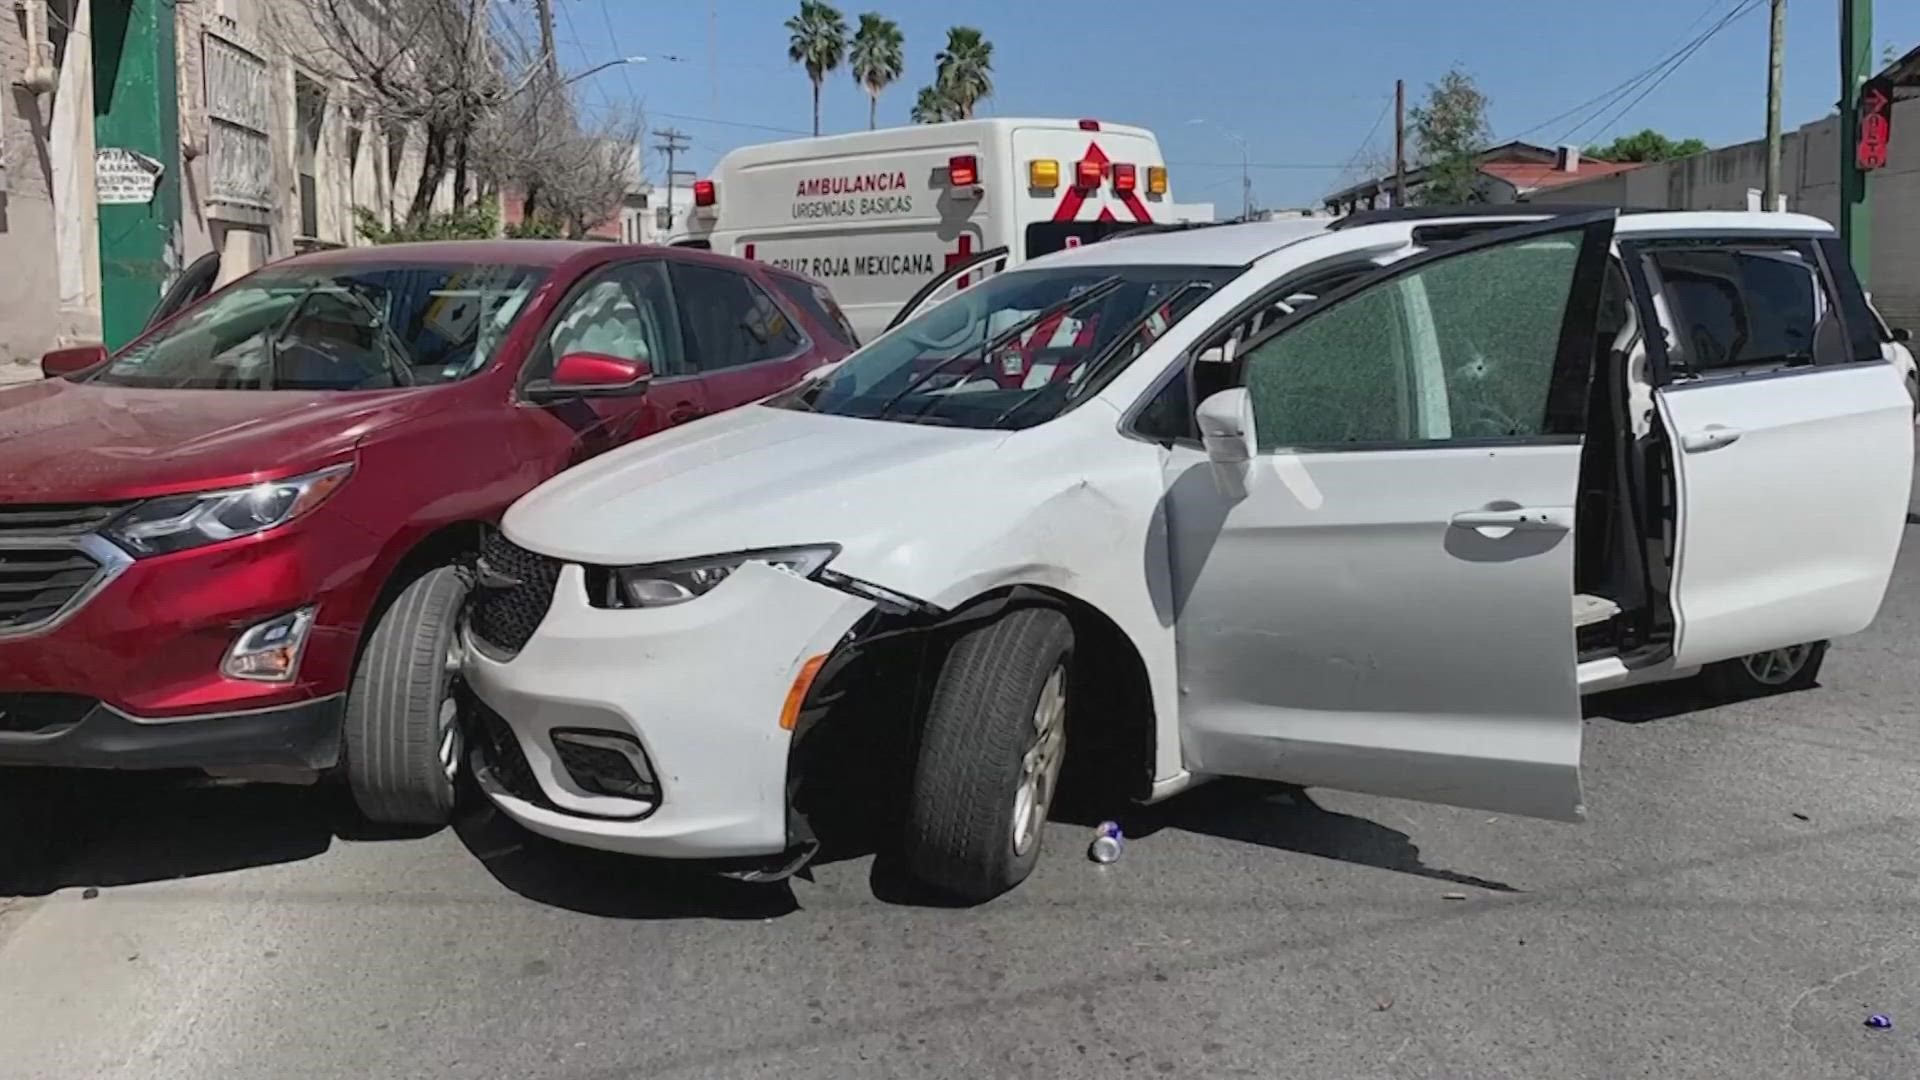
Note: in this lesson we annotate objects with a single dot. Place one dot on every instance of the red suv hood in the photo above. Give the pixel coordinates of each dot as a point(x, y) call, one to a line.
point(77, 442)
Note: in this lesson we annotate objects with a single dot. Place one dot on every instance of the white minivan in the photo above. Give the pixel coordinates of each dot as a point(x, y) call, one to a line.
point(877, 215)
point(1364, 505)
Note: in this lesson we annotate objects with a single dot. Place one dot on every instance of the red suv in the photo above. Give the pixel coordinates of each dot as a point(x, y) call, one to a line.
point(241, 543)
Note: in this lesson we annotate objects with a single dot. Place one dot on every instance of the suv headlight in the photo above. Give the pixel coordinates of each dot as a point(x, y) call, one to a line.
point(177, 522)
point(666, 584)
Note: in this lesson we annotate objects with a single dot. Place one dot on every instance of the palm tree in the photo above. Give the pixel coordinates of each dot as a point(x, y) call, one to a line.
point(965, 70)
point(818, 42)
point(876, 59)
point(932, 106)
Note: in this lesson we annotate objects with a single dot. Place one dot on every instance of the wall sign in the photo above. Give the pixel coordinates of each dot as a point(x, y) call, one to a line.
point(125, 177)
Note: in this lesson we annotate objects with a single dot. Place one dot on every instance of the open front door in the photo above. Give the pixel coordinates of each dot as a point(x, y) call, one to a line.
point(958, 276)
point(1381, 598)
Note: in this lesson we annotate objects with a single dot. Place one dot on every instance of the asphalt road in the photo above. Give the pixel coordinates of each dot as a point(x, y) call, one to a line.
point(1746, 893)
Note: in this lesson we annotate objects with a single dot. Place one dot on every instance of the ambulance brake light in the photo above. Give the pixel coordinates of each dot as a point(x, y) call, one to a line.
point(1156, 179)
point(1125, 178)
point(1087, 174)
point(1089, 125)
point(703, 193)
point(963, 171)
point(1043, 173)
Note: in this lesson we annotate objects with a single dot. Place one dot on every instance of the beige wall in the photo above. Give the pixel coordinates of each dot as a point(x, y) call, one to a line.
point(49, 268)
point(1809, 167)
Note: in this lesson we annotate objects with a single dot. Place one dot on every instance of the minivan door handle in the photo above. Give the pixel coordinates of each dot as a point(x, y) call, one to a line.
point(1711, 437)
point(1517, 519)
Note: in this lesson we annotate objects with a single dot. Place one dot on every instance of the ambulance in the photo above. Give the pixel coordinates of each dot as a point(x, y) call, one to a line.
point(883, 217)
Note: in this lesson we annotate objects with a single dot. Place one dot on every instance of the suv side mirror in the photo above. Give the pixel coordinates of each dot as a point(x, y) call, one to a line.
point(63, 362)
point(1226, 427)
point(1902, 335)
point(592, 375)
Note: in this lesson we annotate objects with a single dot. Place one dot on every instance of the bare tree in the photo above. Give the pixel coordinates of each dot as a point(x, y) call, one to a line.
point(492, 111)
point(425, 65)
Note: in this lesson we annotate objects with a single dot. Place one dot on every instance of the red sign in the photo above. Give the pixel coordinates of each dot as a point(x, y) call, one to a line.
point(1876, 125)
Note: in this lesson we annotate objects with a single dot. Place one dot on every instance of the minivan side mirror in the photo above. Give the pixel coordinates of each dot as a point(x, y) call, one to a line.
point(592, 375)
point(1226, 427)
point(63, 362)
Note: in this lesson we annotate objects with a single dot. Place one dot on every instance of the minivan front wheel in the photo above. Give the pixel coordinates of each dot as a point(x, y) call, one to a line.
point(402, 737)
point(990, 755)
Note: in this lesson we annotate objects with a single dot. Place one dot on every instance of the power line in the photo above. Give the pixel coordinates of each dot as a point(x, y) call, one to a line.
point(1367, 140)
point(613, 37)
point(1747, 8)
point(1619, 90)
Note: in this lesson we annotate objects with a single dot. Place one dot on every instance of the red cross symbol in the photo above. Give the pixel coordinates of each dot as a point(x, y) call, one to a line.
point(963, 252)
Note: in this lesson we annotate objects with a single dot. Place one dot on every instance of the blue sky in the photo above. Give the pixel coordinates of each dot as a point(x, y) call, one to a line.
point(1303, 83)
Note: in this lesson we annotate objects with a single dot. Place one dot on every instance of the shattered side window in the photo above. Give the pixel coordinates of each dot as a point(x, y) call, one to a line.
point(1462, 348)
point(1497, 316)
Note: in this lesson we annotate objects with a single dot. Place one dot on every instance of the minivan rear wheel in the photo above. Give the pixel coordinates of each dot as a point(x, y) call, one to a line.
point(402, 737)
point(990, 755)
point(1775, 671)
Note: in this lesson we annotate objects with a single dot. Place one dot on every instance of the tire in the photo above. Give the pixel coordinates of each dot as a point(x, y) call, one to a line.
point(990, 754)
point(400, 716)
point(1776, 671)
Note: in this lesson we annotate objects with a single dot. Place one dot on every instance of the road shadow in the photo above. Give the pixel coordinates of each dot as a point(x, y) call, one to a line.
point(606, 884)
point(62, 829)
point(1269, 815)
point(1285, 818)
point(1664, 701)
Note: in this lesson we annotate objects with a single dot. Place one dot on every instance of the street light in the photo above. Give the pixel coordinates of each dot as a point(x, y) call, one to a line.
point(623, 60)
point(1246, 181)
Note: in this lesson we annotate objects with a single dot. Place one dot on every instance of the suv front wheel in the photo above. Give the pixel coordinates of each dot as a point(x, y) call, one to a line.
point(402, 726)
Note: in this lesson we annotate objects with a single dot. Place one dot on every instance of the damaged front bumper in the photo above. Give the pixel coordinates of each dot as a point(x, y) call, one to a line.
point(700, 688)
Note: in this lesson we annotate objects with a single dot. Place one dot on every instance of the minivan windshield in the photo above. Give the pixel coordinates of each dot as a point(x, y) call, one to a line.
point(333, 327)
point(1013, 351)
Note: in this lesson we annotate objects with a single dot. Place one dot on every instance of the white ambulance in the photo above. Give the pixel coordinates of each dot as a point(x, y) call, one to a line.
point(878, 216)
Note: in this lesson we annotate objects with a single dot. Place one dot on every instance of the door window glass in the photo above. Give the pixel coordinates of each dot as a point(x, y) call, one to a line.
point(1462, 348)
point(819, 303)
point(626, 313)
point(729, 320)
point(1744, 310)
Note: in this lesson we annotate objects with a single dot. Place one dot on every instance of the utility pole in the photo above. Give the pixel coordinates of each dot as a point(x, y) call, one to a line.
point(545, 10)
point(1400, 140)
point(1856, 66)
point(1776, 52)
point(671, 142)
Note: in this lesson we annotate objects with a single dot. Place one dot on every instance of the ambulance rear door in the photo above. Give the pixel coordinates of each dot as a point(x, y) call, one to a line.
point(1079, 183)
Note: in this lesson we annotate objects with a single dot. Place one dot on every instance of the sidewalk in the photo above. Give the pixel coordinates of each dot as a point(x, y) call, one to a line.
point(14, 372)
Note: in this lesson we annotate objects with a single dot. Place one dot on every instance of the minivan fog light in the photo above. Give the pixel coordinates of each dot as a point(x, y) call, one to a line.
point(270, 651)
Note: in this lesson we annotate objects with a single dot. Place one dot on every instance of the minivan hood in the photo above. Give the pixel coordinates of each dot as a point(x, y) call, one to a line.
point(63, 441)
point(753, 477)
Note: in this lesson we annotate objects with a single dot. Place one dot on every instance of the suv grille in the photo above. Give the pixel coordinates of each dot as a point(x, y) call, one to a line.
point(55, 519)
point(36, 583)
point(41, 714)
point(512, 592)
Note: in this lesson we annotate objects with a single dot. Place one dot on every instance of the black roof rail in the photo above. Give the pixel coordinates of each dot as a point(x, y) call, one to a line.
point(1427, 213)
point(1161, 226)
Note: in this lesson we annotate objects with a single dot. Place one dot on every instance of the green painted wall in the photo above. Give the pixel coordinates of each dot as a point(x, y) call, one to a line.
point(136, 106)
